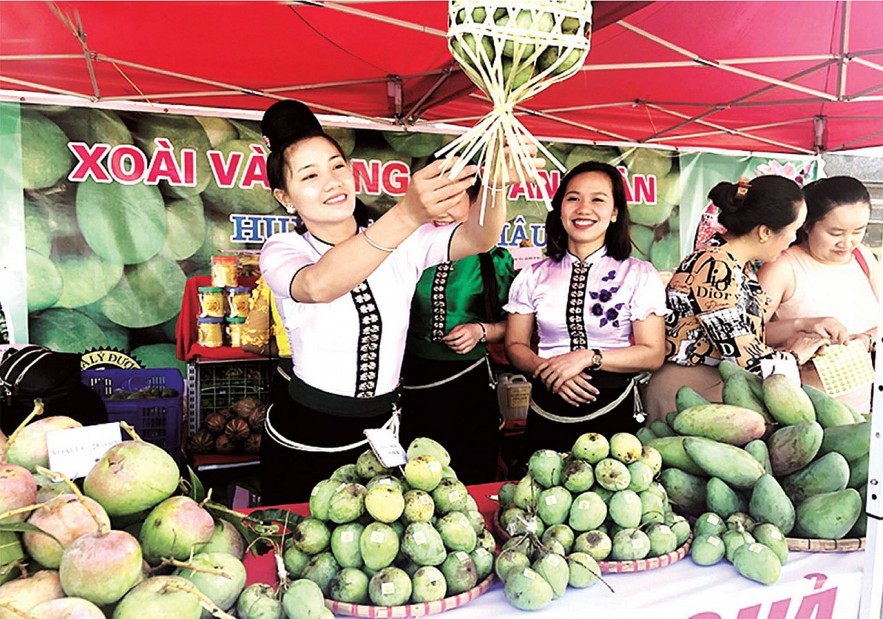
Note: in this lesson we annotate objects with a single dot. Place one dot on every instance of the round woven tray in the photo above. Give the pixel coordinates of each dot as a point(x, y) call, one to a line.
point(826, 545)
point(617, 567)
point(409, 610)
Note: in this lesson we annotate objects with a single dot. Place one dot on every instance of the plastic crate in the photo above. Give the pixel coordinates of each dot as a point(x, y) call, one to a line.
point(212, 385)
point(156, 420)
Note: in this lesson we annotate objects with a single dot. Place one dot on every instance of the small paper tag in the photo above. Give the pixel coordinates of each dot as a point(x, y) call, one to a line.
point(551, 500)
point(583, 504)
point(377, 537)
point(347, 536)
point(454, 496)
point(714, 519)
point(387, 588)
point(419, 538)
point(386, 447)
point(631, 497)
point(435, 466)
point(73, 452)
point(714, 540)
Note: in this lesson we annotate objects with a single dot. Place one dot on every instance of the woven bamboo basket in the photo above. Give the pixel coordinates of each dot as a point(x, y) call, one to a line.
point(512, 50)
point(825, 545)
point(409, 610)
point(616, 567)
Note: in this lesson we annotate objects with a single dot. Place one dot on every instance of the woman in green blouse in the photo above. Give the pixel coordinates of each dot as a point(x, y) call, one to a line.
point(448, 382)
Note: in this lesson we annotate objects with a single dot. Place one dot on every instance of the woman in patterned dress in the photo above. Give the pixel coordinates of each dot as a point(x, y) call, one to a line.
point(598, 312)
point(717, 304)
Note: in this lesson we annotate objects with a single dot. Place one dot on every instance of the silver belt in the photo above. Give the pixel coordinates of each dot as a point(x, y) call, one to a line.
point(593, 415)
point(463, 372)
point(391, 424)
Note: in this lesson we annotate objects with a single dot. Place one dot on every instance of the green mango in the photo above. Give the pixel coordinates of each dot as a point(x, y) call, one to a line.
point(349, 585)
point(770, 536)
point(553, 568)
point(829, 515)
point(723, 500)
point(671, 448)
point(661, 429)
point(769, 503)
point(527, 590)
point(757, 562)
point(707, 549)
point(860, 528)
point(829, 473)
point(728, 369)
point(459, 571)
point(720, 422)
point(645, 435)
point(733, 539)
point(390, 586)
point(584, 570)
point(761, 453)
point(792, 447)
point(379, 545)
point(553, 506)
point(686, 397)
point(428, 584)
point(851, 441)
point(730, 463)
point(321, 568)
point(423, 544)
point(737, 391)
point(346, 544)
point(858, 472)
point(685, 490)
point(786, 401)
point(829, 411)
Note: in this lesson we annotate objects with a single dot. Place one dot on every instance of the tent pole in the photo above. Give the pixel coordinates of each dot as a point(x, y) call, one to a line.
point(845, 14)
point(871, 604)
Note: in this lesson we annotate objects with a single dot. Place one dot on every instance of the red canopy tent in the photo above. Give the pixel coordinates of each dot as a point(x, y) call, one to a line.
point(788, 77)
point(760, 76)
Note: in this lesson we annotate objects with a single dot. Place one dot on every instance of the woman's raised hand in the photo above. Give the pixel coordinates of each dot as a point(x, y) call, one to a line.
point(432, 192)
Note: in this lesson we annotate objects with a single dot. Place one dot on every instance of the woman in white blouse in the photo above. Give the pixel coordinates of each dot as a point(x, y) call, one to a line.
point(344, 292)
point(598, 313)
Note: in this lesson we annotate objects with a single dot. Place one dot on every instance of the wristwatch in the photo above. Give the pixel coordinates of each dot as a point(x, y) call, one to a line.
point(597, 359)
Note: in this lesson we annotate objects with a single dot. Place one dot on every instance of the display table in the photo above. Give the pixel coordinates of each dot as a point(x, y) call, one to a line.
point(812, 586)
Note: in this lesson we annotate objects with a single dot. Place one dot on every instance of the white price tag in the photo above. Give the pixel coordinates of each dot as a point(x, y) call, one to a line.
point(387, 588)
point(347, 537)
point(419, 538)
point(73, 452)
point(386, 447)
point(377, 537)
point(551, 500)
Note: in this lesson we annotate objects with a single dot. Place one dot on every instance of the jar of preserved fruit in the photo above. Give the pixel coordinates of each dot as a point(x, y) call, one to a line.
point(210, 332)
point(211, 302)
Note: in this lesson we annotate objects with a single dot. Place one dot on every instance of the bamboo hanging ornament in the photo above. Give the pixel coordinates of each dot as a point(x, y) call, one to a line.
point(512, 50)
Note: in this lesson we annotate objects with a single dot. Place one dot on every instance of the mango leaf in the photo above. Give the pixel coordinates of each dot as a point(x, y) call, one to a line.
point(10, 548)
point(262, 529)
point(197, 489)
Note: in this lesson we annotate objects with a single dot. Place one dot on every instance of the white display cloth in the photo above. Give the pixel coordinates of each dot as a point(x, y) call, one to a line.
point(685, 590)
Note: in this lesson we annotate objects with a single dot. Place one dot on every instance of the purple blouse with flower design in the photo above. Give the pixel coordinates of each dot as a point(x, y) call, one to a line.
point(589, 303)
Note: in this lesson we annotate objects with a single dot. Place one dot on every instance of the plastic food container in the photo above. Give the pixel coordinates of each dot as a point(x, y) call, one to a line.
point(225, 271)
point(210, 332)
point(238, 299)
point(211, 302)
point(234, 331)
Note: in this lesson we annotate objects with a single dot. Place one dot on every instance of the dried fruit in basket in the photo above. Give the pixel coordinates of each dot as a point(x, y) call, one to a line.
point(245, 406)
point(512, 50)
point(257, 417)
point(224, 445)
point(202, 441)
point(237, 430)
point(252, 444)
point(215, 422)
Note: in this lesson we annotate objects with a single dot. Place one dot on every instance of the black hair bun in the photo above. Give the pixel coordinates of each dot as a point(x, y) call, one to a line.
point(285, 120)
point(723, 196)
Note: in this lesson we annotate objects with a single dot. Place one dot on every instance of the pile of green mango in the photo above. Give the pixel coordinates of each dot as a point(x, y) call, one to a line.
point(772, 452)
point(379, 536)
point(570, 511)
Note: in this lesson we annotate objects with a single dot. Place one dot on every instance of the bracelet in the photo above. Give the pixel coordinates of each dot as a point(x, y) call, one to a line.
point(388, 250)
point(483, 337)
